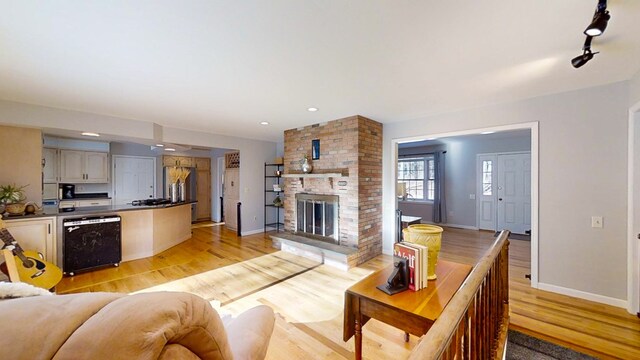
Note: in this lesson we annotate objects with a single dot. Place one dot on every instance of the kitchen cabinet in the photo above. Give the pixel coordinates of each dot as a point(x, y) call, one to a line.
point(49, 165)
point(203, 188)
point(179, 161)
point(84, 167)
point(84, 203)
point(202, 163)
point(35, 234)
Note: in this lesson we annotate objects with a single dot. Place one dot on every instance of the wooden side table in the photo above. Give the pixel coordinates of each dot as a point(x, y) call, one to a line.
point(410, 220)
point(411, 311)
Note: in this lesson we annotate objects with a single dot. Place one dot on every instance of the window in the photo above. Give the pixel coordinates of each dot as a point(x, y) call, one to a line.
point(487, 181)
point(419, 177)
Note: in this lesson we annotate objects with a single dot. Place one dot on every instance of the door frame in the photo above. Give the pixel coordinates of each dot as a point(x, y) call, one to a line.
point(113, 173)
point(633, 246)
point(535, 153)
point(495, 196)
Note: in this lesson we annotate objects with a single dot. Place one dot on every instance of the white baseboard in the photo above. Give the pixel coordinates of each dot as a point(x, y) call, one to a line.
point(583, 295)
point(251, 232)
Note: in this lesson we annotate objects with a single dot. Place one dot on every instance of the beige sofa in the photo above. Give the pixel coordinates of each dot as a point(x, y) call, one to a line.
point(159, 325)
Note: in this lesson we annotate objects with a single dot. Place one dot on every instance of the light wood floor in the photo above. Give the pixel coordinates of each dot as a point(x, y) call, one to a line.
point(238, 273)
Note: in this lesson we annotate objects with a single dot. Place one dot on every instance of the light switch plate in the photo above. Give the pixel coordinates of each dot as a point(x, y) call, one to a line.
point(596, 222)
point(472, 196)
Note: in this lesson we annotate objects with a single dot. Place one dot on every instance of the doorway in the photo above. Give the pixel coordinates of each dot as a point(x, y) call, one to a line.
point(468, 184)
point(503, 192)
point(134, 178)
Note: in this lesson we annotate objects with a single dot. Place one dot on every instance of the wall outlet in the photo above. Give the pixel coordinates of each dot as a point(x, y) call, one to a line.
point(472, 196)
point(596, 222)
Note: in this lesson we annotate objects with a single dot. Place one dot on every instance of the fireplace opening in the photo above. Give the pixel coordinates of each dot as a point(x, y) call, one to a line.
point(317, 215)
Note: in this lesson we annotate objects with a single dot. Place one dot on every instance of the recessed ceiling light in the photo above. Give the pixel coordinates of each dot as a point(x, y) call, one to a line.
point(160, 145)
point(90, 134)
point(312, 109)
point(487, 132)
point(264, 123)
point(169, 149)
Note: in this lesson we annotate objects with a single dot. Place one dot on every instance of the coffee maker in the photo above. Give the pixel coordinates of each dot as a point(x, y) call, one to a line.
point(67, 191)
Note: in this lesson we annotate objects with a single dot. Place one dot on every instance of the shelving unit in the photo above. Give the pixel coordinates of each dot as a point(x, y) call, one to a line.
point(269, 180)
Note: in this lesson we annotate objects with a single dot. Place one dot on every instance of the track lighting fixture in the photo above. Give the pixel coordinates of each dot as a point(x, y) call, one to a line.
point(600, 20)
point(587, 55)
point(596, 28)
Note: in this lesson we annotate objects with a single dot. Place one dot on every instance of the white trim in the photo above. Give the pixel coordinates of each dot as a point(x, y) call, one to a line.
point(583, 295)
point(113, 173)
point(252, 232)
point(533, 126)
point(633, 250)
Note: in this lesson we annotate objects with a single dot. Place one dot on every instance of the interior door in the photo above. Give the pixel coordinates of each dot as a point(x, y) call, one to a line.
point(514, 193)
point(134, 179)
point(486, 191)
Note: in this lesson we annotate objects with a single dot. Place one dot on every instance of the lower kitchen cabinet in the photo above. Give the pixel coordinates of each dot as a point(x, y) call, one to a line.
point(35, 234)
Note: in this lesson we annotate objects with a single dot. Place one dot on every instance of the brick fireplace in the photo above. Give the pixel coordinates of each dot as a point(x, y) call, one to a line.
point(349, 170)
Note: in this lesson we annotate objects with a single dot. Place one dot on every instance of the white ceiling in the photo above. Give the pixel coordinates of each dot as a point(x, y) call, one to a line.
point(224, 66)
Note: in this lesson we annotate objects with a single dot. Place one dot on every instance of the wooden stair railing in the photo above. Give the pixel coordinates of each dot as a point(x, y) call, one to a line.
point(475, 322)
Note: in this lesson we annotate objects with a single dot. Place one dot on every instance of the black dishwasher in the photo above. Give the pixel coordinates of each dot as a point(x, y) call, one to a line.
point(91, 242)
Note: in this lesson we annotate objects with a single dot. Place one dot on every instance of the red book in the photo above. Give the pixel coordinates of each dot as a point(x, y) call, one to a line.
point(410, 254)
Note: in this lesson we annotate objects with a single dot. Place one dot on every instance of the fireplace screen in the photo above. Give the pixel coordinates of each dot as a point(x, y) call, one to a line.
point(317, 215)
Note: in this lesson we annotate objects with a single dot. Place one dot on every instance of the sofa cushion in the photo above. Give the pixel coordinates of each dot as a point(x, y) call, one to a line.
point(250, 332)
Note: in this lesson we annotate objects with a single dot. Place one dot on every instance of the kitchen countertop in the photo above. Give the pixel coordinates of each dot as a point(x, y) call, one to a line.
point(93, 210)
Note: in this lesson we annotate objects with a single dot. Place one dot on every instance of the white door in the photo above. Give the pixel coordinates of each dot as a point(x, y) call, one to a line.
point(96, 167)
point(514, 193)
point(134, 178)
point(486, 191)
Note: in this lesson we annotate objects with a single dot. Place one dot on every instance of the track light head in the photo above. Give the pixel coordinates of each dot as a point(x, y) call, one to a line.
point(599, 23)
point(580, 60)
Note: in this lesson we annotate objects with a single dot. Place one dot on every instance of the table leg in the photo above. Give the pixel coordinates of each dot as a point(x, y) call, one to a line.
point(406, 337)
point(358, 341)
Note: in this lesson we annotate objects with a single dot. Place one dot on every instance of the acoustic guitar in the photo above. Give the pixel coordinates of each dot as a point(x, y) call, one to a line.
point(31, 266)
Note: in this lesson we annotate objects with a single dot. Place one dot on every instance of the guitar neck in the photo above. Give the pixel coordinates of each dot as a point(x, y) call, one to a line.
point(9, 240)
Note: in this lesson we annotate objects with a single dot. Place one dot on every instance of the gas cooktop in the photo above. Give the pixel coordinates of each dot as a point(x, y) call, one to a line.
point(150, 202)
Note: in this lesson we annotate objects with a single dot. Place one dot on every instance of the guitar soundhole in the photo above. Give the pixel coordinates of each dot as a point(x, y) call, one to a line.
point(28, 263)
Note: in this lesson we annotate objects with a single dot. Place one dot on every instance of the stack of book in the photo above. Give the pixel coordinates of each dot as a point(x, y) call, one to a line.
point(417, 256)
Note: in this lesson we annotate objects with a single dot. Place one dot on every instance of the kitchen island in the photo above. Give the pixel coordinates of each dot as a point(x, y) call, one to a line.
point(146, 230)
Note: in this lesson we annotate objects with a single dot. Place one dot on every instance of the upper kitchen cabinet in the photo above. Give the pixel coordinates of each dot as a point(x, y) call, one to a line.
point(84, 166)
point(202, 163)
point(180, 161)
point(50, 165)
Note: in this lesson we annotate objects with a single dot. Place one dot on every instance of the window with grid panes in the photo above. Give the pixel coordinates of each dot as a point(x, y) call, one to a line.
point(418, 175)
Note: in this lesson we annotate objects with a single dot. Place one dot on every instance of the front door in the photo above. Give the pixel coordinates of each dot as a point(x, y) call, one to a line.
point(486, 191)
point(134, 179)
point(514, 193)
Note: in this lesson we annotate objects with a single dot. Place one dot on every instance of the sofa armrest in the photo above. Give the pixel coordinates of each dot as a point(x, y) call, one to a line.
point(250, 332)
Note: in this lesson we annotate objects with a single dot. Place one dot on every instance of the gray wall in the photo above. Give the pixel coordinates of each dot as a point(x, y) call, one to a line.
point(460, 172)
point(582, 172)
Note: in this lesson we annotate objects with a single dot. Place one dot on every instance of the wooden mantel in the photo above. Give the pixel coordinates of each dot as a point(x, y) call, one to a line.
point(326, 174)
